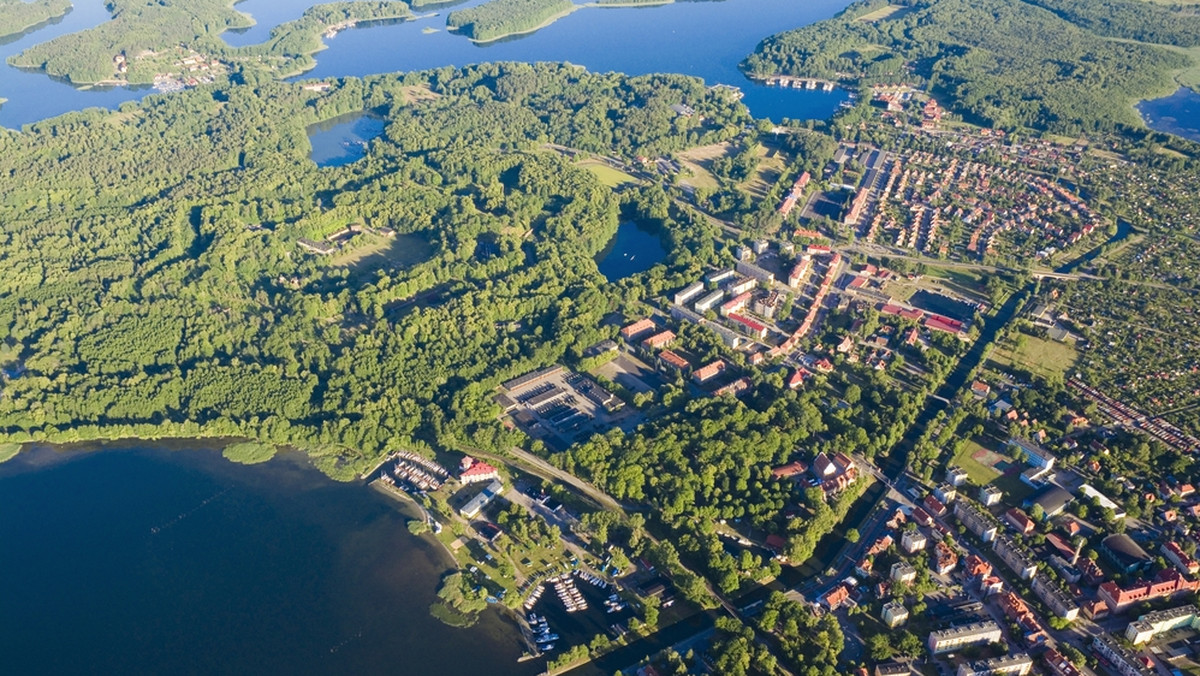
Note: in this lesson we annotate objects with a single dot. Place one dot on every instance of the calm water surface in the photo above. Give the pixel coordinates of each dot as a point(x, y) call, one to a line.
point(344, 139)
point(1177, 114)
point(145, 561)
point(706, 39)
point(634, 249)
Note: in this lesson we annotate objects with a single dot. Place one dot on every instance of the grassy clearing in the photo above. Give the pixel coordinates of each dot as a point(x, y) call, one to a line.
point(699, 178)
point(979, 473)
point(609, 176)
point(889, 12)
point(416, 93)
point(705, 154)
point(370, 251)
point(1047, 358)
point(9, 451)
point(770, 168)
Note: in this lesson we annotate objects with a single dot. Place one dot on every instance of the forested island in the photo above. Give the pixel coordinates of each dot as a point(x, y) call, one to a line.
point(144, 41)
point(499, 18)
point(18, 15)
point(999, 62)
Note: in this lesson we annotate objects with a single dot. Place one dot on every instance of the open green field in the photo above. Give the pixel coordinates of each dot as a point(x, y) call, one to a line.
point(883, 13)
point(980, 473)
point(1047, 358)
point(609, 176)
point(770, 167)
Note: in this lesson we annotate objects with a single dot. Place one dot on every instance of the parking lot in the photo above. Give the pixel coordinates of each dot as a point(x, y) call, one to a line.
point(560, 406)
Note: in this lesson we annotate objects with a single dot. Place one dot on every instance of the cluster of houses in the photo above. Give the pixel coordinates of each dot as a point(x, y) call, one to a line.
point(922, 192)
point(749, 297)
point(1124, 414)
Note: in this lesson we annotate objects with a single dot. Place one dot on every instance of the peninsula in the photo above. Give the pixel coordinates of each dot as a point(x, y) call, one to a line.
point(17, 16)
point(500, 18)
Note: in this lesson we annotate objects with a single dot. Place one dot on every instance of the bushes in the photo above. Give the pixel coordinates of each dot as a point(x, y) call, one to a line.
point(248, 452)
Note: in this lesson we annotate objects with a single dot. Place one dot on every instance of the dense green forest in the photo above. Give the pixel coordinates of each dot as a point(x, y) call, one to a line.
point(999, 62)
point(17, 15)
point(1130, 19)
point(177, 303)
point(498, 18)
point(142, 31)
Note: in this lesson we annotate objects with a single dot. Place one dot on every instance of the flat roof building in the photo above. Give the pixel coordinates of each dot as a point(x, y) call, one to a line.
point(1018, 664)
point(969, 634)
point(1146, 627)
point(476, 504)
point(894, 614)
point(1032, 453)
point(689, 292)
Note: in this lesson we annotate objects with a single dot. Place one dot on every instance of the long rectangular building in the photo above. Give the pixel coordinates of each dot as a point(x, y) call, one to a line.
point(1146, 627)
point(753, 271)
point(1018, 664)
point(969, 634)
point(689, 292)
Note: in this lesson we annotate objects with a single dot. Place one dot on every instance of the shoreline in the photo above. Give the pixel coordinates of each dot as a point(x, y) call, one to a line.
point(36, 25)
point(526, 31)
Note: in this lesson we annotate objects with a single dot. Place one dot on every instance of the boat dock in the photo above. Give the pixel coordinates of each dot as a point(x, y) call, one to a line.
point(788, 81)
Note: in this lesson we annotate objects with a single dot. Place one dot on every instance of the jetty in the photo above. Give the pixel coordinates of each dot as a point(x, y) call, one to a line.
point(792, 82)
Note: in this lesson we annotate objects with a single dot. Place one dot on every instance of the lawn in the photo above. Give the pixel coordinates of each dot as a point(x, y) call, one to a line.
point(609, 176)
point(1044, 357)
point(889, 11)
point(981, 474)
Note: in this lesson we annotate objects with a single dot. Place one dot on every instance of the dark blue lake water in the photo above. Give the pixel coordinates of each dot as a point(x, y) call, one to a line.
point(179, 562)
point(706, 39)
point(344, 139)
point(1177, 114)
point(634, 249)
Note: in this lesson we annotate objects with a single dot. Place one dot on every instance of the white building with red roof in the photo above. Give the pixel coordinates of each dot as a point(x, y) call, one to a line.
point(474, 471)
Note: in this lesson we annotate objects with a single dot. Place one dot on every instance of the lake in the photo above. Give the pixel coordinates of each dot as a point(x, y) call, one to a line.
point(140, 561)
point(632, 250)
point(343, 139)
point(1177, 114)
point(705, 39)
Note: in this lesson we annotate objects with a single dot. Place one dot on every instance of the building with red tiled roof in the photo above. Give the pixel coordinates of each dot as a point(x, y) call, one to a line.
point(974, 566)
point(671, 359)
point(789, 470)
point(945, 559)
point(934, 506)
point(1017, 611)
point(735, 388)
point(880, 545)
point(922, 517)
point(1058, 665)
point(658, 340)
point(639, 328)
point(1166, 584)
point(1180, 559)
point(1020, 521)
point(749, 325)
point(475, 471)
point(835, 598)
point(710, 371)
point(796, 380)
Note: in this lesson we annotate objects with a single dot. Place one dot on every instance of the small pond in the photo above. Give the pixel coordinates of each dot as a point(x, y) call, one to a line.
point(344, 139)
point(634, 249)
point(1177, 114)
